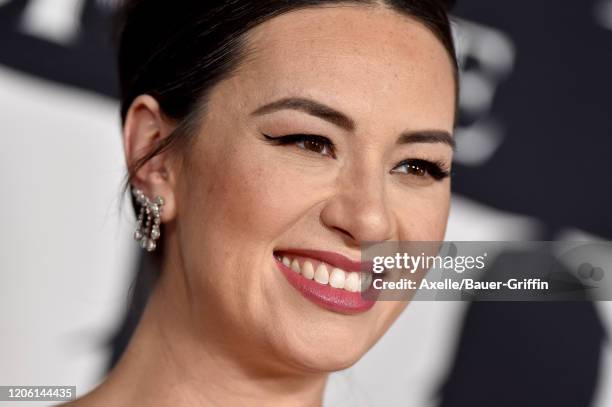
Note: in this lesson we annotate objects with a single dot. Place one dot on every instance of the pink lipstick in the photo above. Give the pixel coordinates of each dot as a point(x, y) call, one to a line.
point(328, 279)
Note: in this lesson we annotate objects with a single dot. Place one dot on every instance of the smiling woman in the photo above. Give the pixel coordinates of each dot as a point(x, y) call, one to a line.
point(266, 140)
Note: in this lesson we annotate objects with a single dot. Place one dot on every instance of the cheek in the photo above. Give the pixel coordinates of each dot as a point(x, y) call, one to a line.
point(237, 203)
point(228, 193)
point(252, 199)
point(422, 214)
point(232, 211)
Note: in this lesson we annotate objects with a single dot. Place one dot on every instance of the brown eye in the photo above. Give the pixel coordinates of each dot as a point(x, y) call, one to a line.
point(315, 146)
point(309, 142)
point(421, 169)
point(411, 169)
point(416, 170)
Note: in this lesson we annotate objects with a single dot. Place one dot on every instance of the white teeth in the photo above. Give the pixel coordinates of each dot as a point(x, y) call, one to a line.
point(307, 270)
point(321, 276)
point(337, 278)
point(352, 282)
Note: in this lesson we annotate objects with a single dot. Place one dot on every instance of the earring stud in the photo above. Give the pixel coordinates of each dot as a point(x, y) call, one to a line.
point(148, 221)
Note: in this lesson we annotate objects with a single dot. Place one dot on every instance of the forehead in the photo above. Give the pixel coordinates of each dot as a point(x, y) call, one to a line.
point(363, 59)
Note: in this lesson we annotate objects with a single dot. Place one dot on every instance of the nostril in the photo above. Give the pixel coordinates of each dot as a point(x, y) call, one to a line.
point(344, 232)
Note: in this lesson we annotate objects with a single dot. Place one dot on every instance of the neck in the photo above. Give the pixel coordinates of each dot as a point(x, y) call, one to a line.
point(172, 362)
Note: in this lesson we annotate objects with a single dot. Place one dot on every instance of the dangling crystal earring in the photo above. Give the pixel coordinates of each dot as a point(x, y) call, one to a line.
point(147, 231)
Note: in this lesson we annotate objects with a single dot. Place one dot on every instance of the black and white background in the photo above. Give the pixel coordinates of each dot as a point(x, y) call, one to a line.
point(533, 163)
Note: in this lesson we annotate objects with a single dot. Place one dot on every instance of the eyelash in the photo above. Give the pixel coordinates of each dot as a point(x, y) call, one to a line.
point(304, 138)
point(434, 169)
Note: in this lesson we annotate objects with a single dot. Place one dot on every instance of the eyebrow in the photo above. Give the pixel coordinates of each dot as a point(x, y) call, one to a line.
point(427, 136)
point(312, 108)
point(340, 119)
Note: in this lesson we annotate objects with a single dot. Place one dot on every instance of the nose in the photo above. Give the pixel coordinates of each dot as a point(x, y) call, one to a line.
point(359, 207)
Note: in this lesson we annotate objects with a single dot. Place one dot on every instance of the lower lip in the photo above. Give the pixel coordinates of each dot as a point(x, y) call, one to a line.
point(333, 299)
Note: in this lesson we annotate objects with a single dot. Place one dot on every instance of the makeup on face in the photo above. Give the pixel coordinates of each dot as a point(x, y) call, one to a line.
point(423, 170)
point(328, 279)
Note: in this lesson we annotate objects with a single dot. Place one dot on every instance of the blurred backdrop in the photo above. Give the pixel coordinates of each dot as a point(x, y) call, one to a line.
point(533, 163)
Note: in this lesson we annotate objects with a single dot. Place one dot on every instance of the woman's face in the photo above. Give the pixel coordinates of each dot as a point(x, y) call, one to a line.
point(373, 88)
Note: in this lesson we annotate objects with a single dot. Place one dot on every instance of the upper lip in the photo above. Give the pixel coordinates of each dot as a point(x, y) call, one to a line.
point(332, 258)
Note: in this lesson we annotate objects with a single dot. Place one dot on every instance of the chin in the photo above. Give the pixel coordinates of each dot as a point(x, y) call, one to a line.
point(329, 358)
point(323, 347)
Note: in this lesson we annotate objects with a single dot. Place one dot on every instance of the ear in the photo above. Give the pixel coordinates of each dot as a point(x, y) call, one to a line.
point(145, 127)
